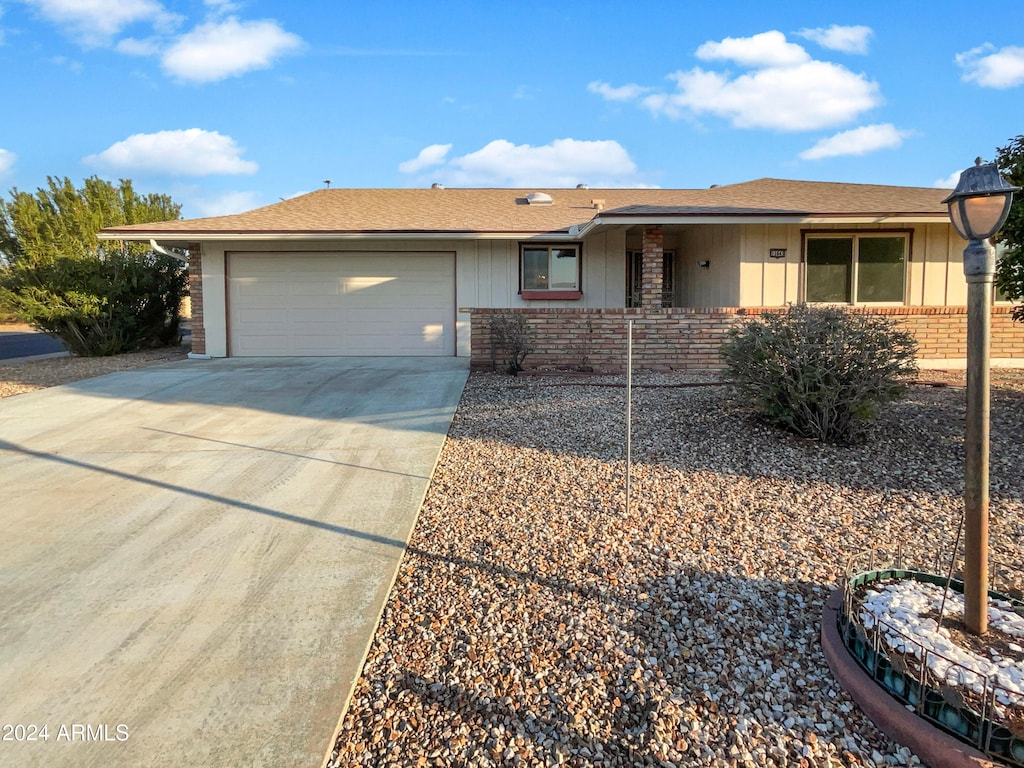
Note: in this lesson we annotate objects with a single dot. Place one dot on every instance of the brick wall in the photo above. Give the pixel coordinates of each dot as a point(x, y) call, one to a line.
point(652, 267)
point(195, 290)
point(688, 338)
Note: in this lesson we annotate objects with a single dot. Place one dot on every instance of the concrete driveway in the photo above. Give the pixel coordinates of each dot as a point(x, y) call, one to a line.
point(194, 557)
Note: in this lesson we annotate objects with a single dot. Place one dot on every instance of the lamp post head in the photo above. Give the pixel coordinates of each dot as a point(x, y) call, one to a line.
point(981, 201)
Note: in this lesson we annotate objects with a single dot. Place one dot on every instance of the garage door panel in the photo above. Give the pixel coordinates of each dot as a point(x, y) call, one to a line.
point(342, 304)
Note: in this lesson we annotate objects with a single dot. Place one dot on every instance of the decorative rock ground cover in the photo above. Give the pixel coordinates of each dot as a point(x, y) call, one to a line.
point(534, 622)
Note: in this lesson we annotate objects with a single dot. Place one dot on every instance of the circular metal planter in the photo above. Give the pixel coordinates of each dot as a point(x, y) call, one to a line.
point(905, 675)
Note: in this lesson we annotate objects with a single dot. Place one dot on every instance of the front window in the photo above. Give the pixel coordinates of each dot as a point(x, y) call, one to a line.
point(856, 269)
point(550, 268)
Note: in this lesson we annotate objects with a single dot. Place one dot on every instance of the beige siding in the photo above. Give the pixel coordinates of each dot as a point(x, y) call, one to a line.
point(934, 272)
point(719, 284)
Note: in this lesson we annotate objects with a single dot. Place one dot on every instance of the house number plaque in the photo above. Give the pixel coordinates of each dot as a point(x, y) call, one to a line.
point(777, 253)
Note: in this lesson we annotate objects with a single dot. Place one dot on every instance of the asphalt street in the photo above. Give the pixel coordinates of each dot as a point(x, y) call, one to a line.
point(27, 344)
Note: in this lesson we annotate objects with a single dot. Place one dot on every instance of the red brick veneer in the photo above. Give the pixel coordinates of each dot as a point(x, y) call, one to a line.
point(688, 338)
point(195, 290)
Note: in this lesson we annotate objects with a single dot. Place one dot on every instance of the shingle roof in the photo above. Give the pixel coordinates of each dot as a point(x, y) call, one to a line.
point(401, 211)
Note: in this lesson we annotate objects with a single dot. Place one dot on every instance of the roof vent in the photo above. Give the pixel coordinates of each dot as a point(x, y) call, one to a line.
point(713, 186)
point(539, 198)
point(599, 204)
point(582, 186)
point(437, 185)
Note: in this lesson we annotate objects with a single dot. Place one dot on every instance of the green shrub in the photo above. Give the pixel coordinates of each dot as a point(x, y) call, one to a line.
point(820, 372)
point(99, 298)
point(98, 304)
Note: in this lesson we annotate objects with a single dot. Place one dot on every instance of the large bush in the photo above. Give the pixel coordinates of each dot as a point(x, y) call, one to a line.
point(99, 304)
point(99, 298)
point(820, 372)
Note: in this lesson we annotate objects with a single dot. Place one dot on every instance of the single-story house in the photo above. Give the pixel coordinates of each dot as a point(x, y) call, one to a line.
point(423, 271)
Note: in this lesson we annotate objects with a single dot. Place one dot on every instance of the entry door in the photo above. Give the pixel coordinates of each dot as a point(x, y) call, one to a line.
point(634, 278)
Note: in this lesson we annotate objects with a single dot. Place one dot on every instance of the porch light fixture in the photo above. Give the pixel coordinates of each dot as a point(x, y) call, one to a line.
point(981, 201)
point(978, 207)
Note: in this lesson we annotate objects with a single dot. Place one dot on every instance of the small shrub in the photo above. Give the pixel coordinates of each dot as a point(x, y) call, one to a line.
point(512, 335)
point(820, 372)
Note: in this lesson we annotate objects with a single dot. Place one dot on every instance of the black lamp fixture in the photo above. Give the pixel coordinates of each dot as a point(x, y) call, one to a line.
point(981, 201)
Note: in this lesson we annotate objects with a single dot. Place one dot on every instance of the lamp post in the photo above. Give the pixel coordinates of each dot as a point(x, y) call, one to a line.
point(978, 208)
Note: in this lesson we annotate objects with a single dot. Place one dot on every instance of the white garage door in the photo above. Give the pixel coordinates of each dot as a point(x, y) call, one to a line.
point(335, 304)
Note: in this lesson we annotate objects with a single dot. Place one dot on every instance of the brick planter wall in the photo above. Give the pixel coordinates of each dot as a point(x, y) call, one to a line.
point(195, 292)
point(688, 338)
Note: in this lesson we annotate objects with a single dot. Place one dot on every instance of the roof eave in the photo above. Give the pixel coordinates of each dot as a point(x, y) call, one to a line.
point(166, 236)
point(773, 218)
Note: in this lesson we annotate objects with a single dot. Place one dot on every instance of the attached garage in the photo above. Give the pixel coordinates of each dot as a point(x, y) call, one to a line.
point(341, 303)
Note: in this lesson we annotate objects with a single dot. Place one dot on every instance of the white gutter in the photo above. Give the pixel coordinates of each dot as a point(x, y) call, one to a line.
point(916, 218)
point(161, 250)
point(195, 237)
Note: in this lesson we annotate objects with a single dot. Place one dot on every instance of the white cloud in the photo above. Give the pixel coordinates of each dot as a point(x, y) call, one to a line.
point(427, 158)
point(220, 49)
point(805, 97)
point(562, 163)
point(950, 181)
point(768, 49)
point(96, 22)
point(859, 141)
point(7, 159)
point(621, 93)
point(224, 204)
point(852, 39)
point(191, 152)
point(785, 89)
point(990, 68)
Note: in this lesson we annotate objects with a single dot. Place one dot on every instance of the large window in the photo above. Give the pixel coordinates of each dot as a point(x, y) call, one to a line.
point(856, 268)
point(550, 268)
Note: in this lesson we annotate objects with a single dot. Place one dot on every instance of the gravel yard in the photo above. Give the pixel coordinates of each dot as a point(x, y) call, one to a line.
point(533, 622)
point(37, 374)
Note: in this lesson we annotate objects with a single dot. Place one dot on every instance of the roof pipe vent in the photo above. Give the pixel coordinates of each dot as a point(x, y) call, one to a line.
point(539, 198)
point(437, 185)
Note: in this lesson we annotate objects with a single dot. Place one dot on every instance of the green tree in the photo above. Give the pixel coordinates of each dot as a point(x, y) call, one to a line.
point(99, 298)
point(1010, 270)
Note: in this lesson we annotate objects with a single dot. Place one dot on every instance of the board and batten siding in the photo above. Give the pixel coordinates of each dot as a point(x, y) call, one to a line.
point(934, 273)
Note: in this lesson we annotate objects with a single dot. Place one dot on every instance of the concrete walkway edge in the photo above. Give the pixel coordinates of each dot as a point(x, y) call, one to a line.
point(329, 753)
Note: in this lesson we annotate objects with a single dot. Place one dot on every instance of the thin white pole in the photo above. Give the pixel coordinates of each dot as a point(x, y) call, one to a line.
point(629, 409)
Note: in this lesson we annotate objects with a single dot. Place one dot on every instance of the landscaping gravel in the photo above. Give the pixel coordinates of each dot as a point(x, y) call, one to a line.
point(535, 622)
point(30, 375)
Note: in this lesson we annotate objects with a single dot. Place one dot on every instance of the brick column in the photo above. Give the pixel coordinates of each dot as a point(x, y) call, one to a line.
point(653, 275)
point(195, 290)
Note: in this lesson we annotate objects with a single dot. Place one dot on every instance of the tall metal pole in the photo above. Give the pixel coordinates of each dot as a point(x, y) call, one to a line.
point(629, 409)
point(979, 268)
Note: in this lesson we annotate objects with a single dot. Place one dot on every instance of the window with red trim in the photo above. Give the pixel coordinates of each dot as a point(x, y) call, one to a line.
point(549, 271)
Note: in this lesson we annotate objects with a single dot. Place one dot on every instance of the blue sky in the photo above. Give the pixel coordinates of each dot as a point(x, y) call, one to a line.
point(228, 105)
